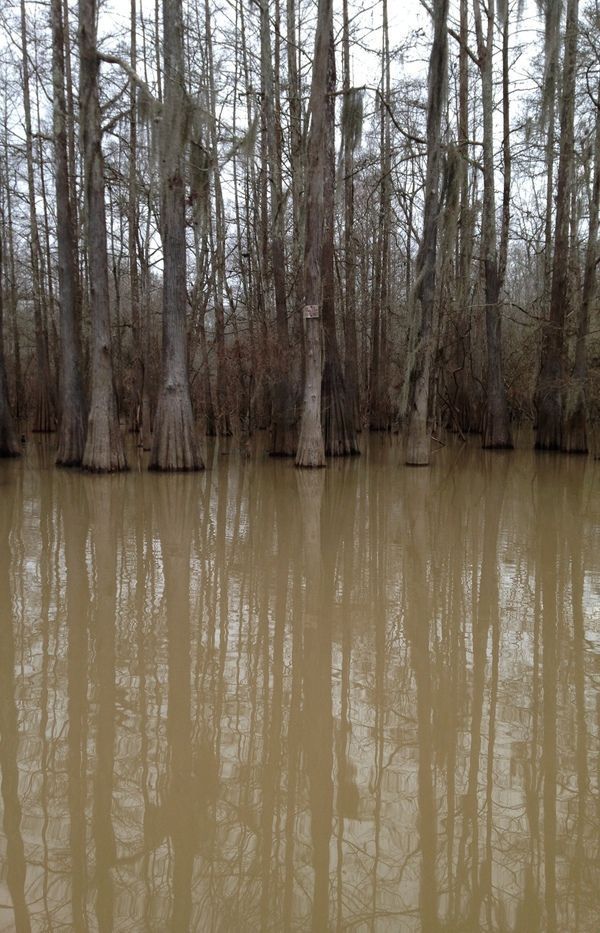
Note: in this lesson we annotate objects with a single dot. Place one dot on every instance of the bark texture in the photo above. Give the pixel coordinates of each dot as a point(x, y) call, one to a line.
point(379, 409)
point(283, 435)
point(9, 443)
point(338, 425)
point(351, 371)
point(104, 446)
point(551, 380)
point(174, 445)
point(45, 407)
point(418, 436)
point(311, 450)
point(71, 435)
point(575, 437)
point(496, 427)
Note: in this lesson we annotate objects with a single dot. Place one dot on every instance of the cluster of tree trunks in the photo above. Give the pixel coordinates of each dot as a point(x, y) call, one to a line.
point(317, 351)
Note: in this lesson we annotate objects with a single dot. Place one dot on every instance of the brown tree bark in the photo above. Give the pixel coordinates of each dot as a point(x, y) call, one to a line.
point(174, 445)
point(12, 288)
point(351, 365)
point(311, 451)
point(283, 429)
point(221, 394)
point(104, 451)
point(551, 379)
point(296, 153)
point(418, 436)
point(575, 436)
point(339, 429)
point(9, 444)
point(139, 409)
point(466, 394)
point(71, 432)
point(379, 414)
point(45, 409)
point(496, 428)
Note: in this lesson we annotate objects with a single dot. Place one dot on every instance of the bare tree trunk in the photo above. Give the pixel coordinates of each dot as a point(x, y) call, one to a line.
point(297, 180)
point(418, 439)
point(351, 341)
point(466, 396)
point(575, 438)
point(339, 428)
point(378, 402)
point(45, 414)
point(222, 400)
point(18, 406)
point(551, 379)
point(283, 437)
point(311, 451)
point(104, 446)
point(132, 236)
point(49, 321)
point(553, 10)
point(9, 444)
point(496, 429)
point(506, 150)
point(174, 445)
point(70, 120)
point(71, 436)
point(144, 282)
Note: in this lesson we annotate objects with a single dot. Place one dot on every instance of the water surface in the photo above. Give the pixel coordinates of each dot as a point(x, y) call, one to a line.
point(258, 699)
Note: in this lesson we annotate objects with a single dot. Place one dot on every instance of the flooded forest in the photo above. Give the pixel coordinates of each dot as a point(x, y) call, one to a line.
point(299, 466)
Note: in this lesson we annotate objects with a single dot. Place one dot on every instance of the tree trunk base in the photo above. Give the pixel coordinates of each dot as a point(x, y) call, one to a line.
point(497, 434)
point(548, 431)
point(311, 452)
point(211, 427)
point(174, 446)
point(497, 443)
point(309, 462)
point(44, 421)
point(71, 442)
point(418, 446)
point(380, 427)
point(104, 445)
point(9, 445)
point(340, 436)
point(575, 440)
point(284, 446)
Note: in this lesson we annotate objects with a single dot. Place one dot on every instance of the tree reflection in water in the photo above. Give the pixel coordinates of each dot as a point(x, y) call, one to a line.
point(262, 699)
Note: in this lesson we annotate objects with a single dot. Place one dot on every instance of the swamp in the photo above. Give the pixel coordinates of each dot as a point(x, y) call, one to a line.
point(299, 466)
point(257, 698)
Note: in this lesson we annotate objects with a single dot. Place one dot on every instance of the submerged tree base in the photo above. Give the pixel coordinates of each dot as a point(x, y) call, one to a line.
point(284, 442)
point(492, 444)
point(71, 444)
point(9, 445)
point(418, 446)
point(340, 436)
point(174, 446)
point(311, 452)
point(9, 441)
point(497, 434)
point(104, 451)
point(548, 431)
point(575, 439)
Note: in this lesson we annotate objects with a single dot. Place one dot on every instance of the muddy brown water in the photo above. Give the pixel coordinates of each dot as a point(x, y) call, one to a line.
point(363, 698)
